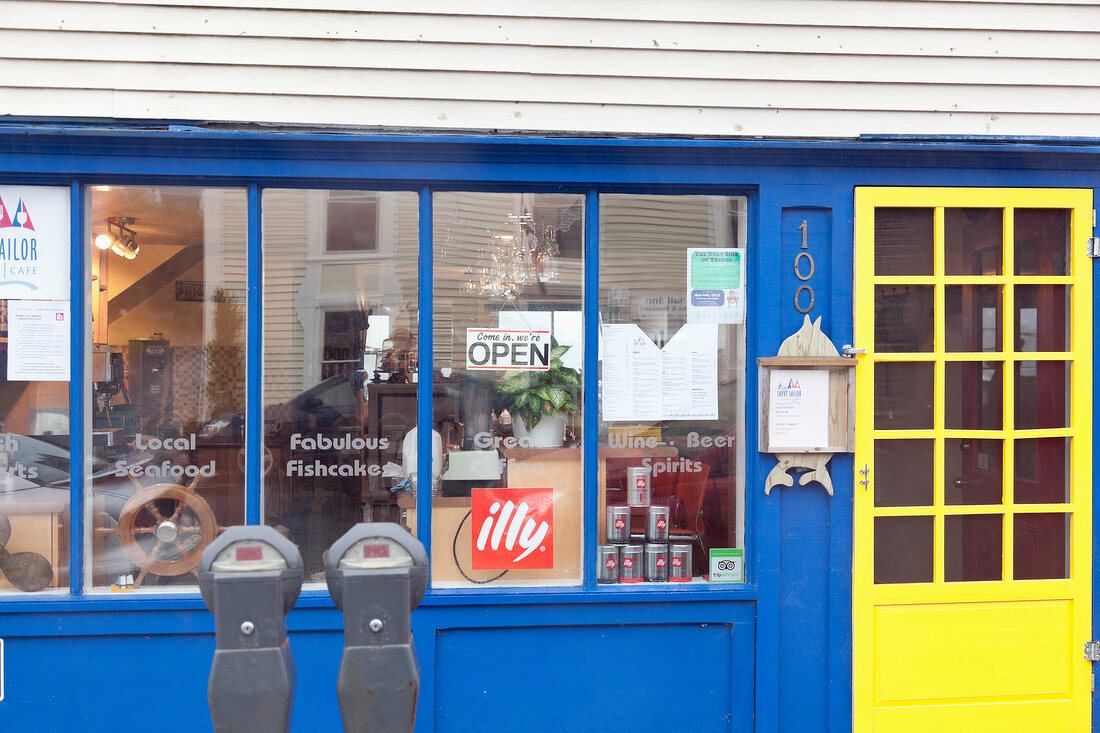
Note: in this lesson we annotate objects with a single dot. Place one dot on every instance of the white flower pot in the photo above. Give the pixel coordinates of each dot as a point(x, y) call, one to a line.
point(549, 433)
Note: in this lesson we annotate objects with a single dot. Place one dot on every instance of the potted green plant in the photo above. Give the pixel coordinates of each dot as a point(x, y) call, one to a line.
point(540, 401)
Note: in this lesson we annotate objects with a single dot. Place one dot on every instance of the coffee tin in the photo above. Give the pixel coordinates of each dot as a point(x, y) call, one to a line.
point(637, 486)
point(608, 569)
point(618, 524)
point(656, 562)
point(679, 563)
point(630, 567)
point(656, 524)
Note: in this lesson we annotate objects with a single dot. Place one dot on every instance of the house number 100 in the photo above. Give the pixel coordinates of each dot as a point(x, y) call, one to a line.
point(804, 270)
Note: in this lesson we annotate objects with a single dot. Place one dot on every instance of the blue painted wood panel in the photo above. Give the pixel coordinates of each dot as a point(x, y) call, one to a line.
point(804, 510)
point(635, 678)
point(156, 682)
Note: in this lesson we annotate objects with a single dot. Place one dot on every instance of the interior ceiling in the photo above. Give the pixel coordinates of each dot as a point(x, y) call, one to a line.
point(171, 216)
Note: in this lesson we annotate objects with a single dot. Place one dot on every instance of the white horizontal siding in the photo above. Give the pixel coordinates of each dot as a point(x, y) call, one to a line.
point(374, 62)
point(697, 67)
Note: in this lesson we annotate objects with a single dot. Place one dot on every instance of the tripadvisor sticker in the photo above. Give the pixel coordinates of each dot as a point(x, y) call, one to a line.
point(727, 565)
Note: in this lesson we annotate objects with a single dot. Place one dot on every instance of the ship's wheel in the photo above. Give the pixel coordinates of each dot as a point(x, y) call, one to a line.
point(164, 528)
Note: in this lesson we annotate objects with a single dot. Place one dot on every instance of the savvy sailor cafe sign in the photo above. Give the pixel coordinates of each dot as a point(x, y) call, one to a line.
point(34, 243)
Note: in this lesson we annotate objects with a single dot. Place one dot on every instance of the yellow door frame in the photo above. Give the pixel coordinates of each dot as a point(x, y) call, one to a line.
point(912, 641)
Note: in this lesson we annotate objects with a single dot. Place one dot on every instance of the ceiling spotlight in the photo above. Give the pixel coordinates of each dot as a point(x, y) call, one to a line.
point(120, 238)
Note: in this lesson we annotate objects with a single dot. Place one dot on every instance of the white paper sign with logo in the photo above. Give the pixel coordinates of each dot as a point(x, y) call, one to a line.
point(34, 242)
point(799, 407)
point(38, 340)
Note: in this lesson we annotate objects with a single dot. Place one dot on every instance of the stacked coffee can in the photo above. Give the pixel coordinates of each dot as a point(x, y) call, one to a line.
point(656, 561)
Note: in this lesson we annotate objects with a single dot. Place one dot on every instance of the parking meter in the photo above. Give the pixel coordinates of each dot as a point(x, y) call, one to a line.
point(377, 573)
point(250, 578)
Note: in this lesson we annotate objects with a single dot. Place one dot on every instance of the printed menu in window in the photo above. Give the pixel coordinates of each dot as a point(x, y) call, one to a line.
point(642, 382)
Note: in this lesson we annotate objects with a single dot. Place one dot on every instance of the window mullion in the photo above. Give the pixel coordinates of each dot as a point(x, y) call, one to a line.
point(590, 432)
point(79, 438)
point(425, 333)
point(254, 414)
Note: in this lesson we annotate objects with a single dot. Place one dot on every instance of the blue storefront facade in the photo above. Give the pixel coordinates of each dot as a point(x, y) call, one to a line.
point(772, 653)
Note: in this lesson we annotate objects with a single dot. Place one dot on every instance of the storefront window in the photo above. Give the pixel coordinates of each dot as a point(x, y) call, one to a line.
point(672, 380)
point(340, 373)
point(34, 388)
point(340, 363)
point(168, 285)
point(507, 493)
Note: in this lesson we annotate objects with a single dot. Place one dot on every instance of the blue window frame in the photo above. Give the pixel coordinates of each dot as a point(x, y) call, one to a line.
point(258, 162)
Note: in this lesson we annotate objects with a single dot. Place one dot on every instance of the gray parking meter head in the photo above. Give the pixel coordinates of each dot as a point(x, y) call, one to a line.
point(376, 549)
point(251, 553)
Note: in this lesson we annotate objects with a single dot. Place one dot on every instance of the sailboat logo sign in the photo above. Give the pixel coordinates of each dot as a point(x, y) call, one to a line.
point(34, 250)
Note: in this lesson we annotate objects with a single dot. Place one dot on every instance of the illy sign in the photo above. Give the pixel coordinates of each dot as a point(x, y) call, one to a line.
point(512, 528)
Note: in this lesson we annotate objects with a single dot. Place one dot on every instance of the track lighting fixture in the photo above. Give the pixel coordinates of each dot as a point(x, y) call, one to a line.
point(120, 238)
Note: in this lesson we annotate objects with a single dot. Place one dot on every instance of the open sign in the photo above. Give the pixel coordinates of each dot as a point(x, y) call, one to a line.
point(507, 349)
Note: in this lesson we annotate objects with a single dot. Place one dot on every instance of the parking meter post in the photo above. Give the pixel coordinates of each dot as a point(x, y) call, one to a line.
point(377, 573)
point(250, 578)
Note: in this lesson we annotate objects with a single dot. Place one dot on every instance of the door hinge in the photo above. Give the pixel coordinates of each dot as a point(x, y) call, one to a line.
point(851, 351)
point(1093, 249)
point(1092, 651)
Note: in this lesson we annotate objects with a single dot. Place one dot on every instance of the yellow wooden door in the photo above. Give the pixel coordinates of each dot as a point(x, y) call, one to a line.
point(972, 563)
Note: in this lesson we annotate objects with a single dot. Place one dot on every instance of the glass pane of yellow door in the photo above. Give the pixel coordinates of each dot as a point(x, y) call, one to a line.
point(972, 564)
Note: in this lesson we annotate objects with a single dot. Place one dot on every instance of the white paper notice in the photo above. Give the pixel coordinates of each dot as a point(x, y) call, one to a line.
point(689, 374)
point(642, 382)
point(715, 285)
point(38, 340)
point(630, 374)
point(798, 408)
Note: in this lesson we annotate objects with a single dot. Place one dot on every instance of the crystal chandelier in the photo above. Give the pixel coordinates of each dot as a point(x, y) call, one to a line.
point(528, 254)
point(510, 263)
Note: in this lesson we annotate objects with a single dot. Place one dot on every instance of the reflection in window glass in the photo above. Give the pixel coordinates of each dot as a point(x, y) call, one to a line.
point(972, 547)
point(972, 317)
point(672, 379)
point(34, 388)
point(903, 318)
point(507, 499)
point(1041, 546)
point(973, 395)
point(168, 289)
point(340, 362)
point(906, 479)
point(973, 240)
point(903, 395)
point(903, 549)
point(1041, 241)
point(1042, 391)
point(1042, 470)
point(1042, 317)
point(903, 241)
point(972, 471)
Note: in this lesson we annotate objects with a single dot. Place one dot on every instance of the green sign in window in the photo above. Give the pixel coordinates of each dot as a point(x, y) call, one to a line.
point(716, 269)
